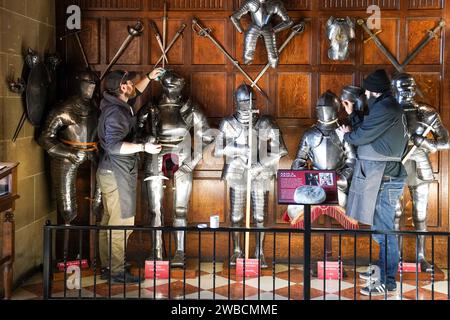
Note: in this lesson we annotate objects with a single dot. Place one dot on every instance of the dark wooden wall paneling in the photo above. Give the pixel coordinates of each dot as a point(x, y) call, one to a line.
point(304, 73)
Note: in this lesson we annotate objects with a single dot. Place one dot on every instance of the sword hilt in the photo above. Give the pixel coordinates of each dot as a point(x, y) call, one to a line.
point(137, 30)
point(298, 27)
point(434, 32)
point(153, 27)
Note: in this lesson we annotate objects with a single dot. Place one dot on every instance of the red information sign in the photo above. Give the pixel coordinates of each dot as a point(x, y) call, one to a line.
point(251, 267)
point(290, 180)
point(162, 269)
point(332, 270)
point(83, 264)
point(408, 267)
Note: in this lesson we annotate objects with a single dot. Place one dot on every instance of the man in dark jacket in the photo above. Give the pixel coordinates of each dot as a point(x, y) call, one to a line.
point(379, 176)
point(118, 167)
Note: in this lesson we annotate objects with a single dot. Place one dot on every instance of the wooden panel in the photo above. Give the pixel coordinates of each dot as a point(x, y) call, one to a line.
point(359, 5)
point(334, 82)
point(91, 40)
point(417, 30)
point(208, 200)
point(294, 98)
point(204, 92)
point(261, 102)
point(425, 4)
point(298, 50)
point(107, 4)
point(204, 52)
point(373, 55)
point(188, 5)
point(117, 33)
point(434, 159)
point(433, 219)
point(430, 85)
point(325, 45)
point(175, 54)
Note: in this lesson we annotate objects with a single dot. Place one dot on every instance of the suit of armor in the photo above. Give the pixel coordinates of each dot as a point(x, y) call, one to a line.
point(70, 137)
point(322, 148)
point(340, 32)
point(268, 148)
point(262, 12)
point(171, 122)
point(420, 173)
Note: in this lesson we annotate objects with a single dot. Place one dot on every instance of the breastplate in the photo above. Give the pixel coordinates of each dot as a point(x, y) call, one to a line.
point(261, 17)
point(83, 128)
point(171, 126)
point(328, 155)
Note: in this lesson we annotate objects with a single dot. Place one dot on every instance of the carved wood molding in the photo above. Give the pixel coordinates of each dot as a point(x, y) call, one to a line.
point(425, 4)
point(189, 4)
point(359, 4)
point(107, 4)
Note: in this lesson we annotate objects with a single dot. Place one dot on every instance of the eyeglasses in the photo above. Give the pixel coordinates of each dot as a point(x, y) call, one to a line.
point(123, 78)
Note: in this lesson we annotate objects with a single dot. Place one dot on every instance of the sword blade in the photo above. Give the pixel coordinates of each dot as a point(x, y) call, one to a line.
point(171, 43)
point(430, 36)
point(117, 55)
point(205, 33)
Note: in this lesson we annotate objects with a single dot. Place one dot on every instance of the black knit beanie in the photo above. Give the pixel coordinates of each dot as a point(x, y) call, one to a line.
point(378, 82)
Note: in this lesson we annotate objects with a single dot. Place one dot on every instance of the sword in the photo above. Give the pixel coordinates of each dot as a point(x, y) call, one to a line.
point(158, 39)
point(414, 147)
point(164, 29)
point(385, 51)
point(249, 177)
point(206, 33)
point(430, 36)
point(297, 29)
point(380, 46)
point(135, 31)
point(171, 43)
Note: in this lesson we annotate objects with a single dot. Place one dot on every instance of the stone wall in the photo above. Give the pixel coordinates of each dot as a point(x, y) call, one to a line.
point(23, 24)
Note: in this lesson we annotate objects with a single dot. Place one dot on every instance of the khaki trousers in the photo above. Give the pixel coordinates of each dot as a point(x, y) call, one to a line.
point(112, 217)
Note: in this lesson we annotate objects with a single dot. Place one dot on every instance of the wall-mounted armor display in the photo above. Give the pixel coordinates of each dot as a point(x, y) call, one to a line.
point(340, 31)
point(322, 147)
point(268, 148)
point(419, 117)
point(262, 13)
point(170, 122)
point(70, 137)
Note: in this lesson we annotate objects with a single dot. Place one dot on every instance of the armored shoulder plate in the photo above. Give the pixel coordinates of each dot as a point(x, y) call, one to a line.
point(313, 137)
point(266, 122)
point(252, 5)
point(230, 126)
point(427, 113)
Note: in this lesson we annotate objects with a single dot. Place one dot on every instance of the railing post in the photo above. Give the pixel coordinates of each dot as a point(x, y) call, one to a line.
point(307, 254)
point(47, 261)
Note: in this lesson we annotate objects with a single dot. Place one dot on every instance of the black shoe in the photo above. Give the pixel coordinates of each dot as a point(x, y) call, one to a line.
point(104, 274)
point(124, 277)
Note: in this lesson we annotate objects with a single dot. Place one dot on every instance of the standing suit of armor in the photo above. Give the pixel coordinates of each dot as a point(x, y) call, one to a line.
point(420, 173)
point(325, 149)
point(171, 122)
point(70, 137)
point(262, 12)
point(268, 148)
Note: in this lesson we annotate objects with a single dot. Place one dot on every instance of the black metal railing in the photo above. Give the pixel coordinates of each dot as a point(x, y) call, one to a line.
point(303, 247)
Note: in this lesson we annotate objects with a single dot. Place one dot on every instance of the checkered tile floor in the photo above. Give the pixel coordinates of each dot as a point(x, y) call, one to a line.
point(205, 285)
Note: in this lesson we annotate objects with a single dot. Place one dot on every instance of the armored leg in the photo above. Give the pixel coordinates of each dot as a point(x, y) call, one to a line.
point(64, 174)
point(259, 207)
point(155, 193)
point(237, 202)
point(271, 46)
point(398, 215)
point(183, 188)
point(419, 195)
point(251, 37)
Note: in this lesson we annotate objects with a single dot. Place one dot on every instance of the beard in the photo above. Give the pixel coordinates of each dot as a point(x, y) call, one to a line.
point(131, 94)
